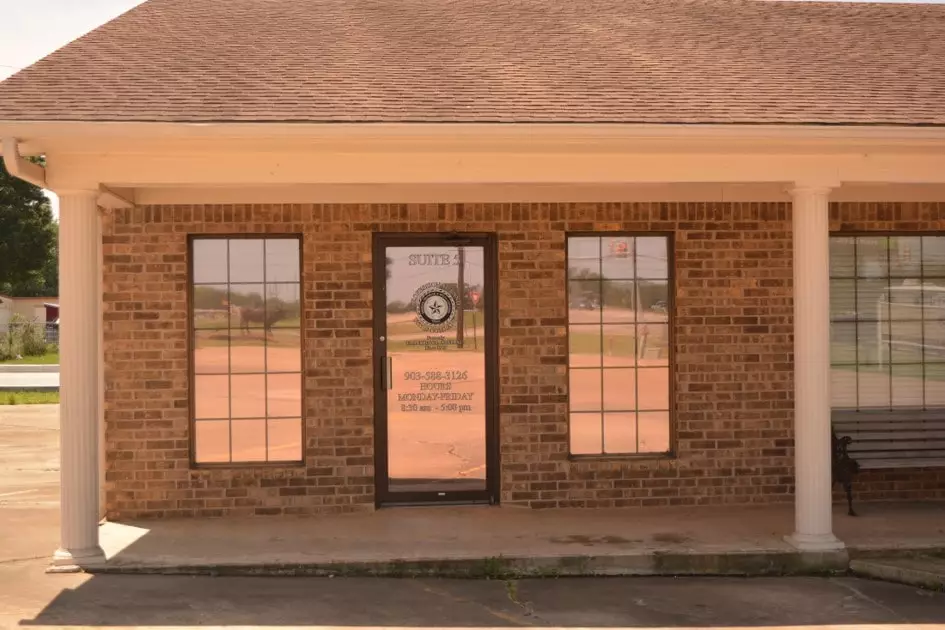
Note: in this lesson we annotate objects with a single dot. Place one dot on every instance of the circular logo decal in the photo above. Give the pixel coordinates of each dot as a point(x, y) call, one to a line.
point(435, 306)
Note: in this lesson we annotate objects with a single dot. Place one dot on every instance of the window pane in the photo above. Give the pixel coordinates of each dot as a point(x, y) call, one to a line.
point(652, 261)
point(873, 386)
point(584, 345)
point(583, 256)
point(249, 440)
point(620, 432)
point(842, 260)
point(619, 345)
point(283, 351)
point(873, 338)
point(584, 390)
point(842, 300)
point(935, 385)
point(249, 396)
point(905, 299)
point(210, 306)
point(212, 441)
point(282, 260)
point(843, 342)
point(617, 297)
point(285, 395)
point(586, 433)
point(653, 388)
point(285, 440)
point(584, 301)
point(933, 299)
point(247, 355)
point(907, 386)
point(283, 305)
point(617, 258)
point(210, 352)
point(872, 257)
point(653, 344)
point(906, 342)
point(905, 258)
point(247, 311)
point(933, 256)
point(212, 396)
point(620, 389)
point(654, 432)
point(871, 299)
point(209, 264)
point(843, 387)
point(653, 301)
point(246, 260)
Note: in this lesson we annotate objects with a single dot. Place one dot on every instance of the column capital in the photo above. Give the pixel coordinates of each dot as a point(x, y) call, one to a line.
point(78, 193)
point(812, 188)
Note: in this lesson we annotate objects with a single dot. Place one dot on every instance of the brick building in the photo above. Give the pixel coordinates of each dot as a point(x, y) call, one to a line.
point(360, 257)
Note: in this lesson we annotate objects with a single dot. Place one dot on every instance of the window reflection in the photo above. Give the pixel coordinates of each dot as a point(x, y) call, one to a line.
point(618, 315)
point(246, 327)
point(887, 344)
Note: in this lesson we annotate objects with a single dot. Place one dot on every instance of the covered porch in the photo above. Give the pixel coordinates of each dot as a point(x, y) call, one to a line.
point(164, 165)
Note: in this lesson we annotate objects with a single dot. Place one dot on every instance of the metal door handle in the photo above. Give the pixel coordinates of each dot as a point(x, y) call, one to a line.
point(388, 373)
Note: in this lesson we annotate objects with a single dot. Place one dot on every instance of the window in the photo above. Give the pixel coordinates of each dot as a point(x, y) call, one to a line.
point(887, 322)
point(619, 298)
point(247, 357)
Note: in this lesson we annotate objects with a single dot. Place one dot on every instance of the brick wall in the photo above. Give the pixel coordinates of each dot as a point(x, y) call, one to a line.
point(733, 375)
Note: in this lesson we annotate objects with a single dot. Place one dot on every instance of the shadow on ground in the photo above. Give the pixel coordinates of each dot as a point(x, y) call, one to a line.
point(116, 600)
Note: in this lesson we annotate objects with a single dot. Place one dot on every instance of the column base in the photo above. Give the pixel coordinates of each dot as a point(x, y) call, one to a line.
point(76, 560)
point(815, 542)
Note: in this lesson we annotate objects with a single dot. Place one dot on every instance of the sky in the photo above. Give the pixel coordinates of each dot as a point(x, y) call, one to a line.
point(31, 30)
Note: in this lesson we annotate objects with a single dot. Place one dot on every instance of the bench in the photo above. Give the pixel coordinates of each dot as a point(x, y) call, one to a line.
point(893, 440)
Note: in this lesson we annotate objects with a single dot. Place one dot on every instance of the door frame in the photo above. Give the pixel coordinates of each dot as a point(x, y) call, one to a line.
point(490, 312)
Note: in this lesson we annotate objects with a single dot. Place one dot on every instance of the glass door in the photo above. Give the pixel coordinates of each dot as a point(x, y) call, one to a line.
point(435, 359)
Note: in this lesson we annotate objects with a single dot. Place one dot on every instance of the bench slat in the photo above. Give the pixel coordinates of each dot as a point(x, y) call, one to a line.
point(929, 462)
point(889, 425)
point(915, 454)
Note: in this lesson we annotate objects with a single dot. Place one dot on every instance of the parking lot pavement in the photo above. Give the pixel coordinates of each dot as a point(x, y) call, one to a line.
point(29, 597)
point(29, 481)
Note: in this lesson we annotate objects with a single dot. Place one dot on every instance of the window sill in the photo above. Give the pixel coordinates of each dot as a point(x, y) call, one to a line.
point(245, 465)
point(626, 457)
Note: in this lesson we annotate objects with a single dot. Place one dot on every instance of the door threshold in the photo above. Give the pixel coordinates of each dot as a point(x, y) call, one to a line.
point(412, 504)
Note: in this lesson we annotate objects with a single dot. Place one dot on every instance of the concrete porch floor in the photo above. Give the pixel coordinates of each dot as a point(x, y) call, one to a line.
point(490, 540)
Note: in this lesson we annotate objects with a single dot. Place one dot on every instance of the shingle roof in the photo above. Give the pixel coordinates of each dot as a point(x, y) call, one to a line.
point(626, 61)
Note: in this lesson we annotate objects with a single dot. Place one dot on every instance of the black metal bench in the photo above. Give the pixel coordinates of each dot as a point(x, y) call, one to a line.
point(893, 440)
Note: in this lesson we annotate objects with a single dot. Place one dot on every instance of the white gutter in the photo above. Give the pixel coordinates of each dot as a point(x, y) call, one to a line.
point(148, 137)
point(20, 167)
point(32, 173)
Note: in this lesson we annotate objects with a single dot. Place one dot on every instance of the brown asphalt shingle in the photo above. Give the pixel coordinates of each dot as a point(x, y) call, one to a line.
point(628, 61)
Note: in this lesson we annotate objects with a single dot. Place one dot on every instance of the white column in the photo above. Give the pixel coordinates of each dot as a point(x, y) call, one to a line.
point(79, 287)
point(813, 489)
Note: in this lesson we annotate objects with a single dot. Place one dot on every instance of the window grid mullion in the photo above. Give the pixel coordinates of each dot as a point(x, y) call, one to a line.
point(889, 315)
point(856, 322)
point(229, 353)
point(600, 330)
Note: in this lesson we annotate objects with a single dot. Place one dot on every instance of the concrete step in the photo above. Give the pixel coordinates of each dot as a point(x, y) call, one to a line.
point(640, 564)
point(925, 571)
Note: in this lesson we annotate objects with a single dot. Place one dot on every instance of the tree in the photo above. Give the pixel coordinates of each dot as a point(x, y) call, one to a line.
point(28, 240)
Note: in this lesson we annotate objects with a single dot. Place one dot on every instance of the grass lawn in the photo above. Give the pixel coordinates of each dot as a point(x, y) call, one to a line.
point(29, 398)
point(46, 359)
